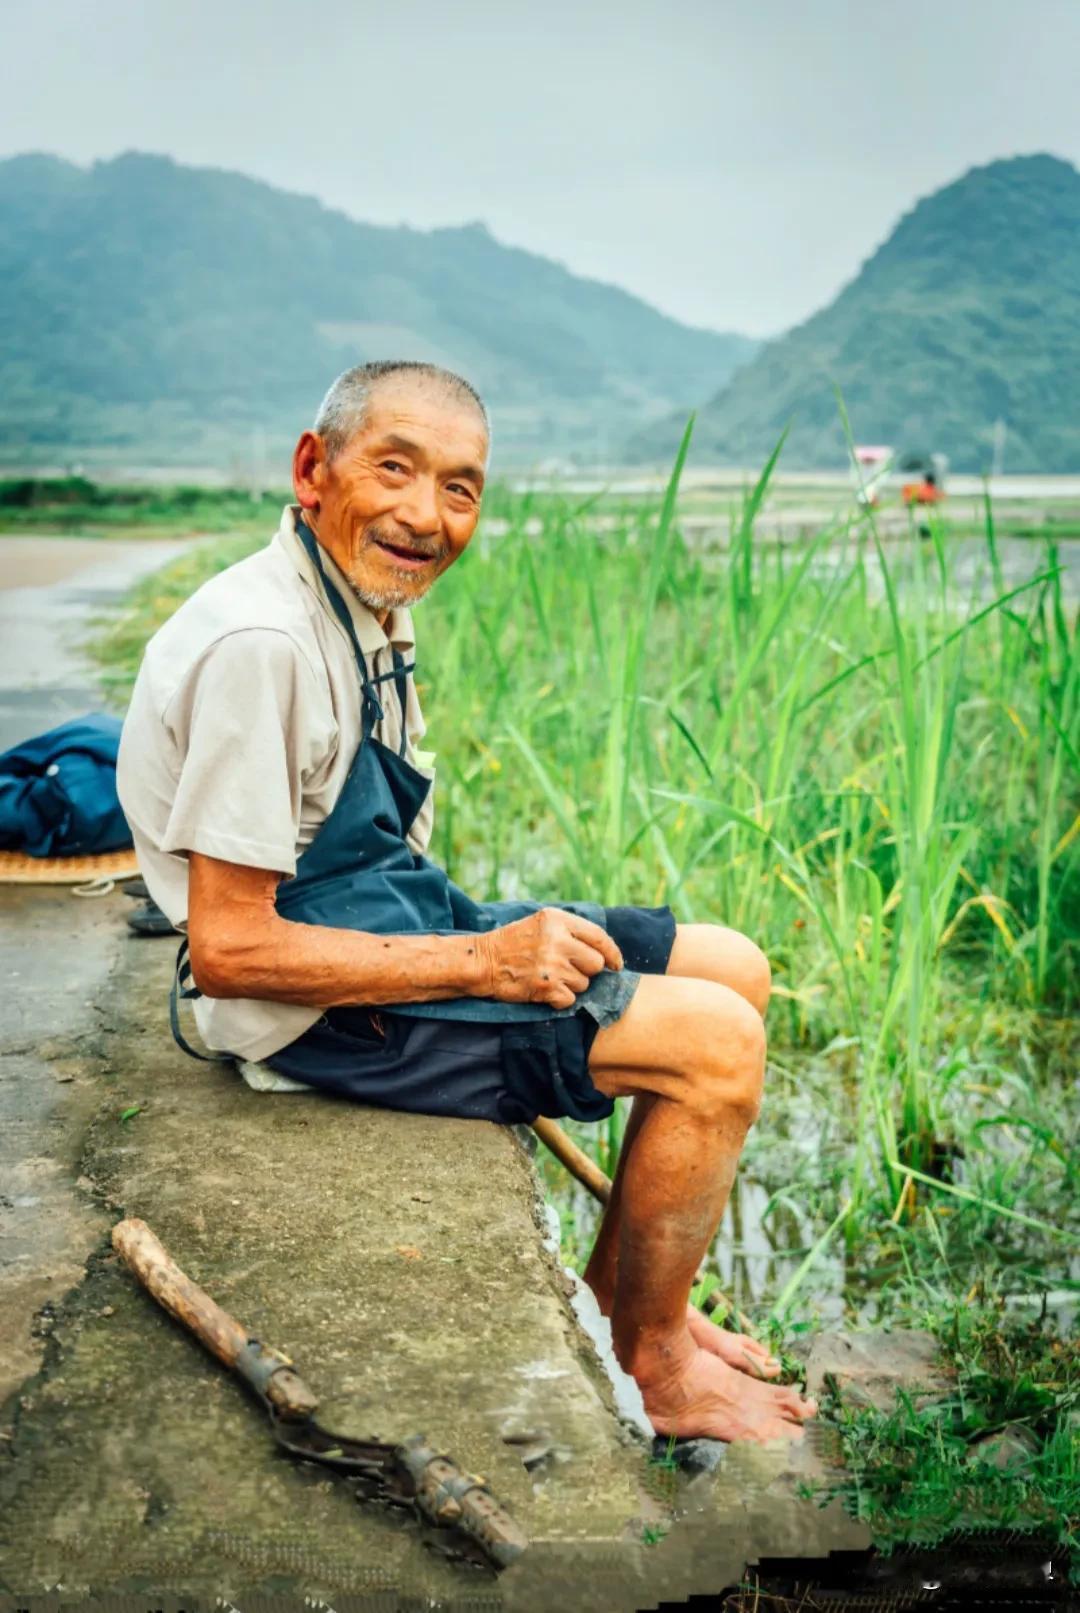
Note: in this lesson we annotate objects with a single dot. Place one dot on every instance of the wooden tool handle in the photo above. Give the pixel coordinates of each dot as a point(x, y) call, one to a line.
point(574, 1158)
point(269, 1373)
point(148, 1258)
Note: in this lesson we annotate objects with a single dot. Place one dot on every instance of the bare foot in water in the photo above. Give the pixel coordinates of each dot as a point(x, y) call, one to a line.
point(705, 1398)
point(737, 1349)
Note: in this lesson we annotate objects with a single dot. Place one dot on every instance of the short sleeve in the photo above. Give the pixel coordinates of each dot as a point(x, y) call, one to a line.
point(247, 723)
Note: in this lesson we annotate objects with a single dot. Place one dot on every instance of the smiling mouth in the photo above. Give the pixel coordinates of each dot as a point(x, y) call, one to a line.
point(410, 558)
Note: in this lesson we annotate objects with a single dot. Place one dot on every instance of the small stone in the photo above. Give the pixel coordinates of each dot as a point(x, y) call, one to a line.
point(107, 1310)
point(867, 1368)
point(692, 1455)
point(1011, 1446)
point(534, 1446)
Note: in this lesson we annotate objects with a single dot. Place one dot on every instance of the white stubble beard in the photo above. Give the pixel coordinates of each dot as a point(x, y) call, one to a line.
point(388, 598)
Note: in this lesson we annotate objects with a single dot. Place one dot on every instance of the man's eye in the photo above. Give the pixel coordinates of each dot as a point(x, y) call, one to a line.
point(459, 487)
point(393, 464)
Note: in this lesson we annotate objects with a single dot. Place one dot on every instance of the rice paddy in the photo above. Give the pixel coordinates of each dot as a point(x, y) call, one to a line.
point(865, 758)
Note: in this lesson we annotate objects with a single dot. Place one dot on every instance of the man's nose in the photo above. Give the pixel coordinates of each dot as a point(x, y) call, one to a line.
point(418, 507)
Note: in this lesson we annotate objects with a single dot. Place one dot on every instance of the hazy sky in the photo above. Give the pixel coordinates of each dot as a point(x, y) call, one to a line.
point(732, 163)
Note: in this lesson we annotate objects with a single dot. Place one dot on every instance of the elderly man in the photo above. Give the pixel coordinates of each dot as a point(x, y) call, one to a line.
point(282, 813)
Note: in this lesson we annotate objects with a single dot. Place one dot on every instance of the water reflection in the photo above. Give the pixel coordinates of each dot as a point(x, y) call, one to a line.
point(795, 1173)
point(753, 1255)
point(773, 1216)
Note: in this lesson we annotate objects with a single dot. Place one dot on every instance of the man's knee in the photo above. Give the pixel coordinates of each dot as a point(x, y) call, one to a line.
point(756, 975)
point(713, 952)
point(724, 1063)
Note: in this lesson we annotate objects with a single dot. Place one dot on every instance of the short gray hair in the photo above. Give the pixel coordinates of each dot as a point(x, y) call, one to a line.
point(343, 411)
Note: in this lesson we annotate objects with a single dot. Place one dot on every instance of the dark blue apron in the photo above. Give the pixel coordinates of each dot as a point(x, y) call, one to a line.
point(359, 872)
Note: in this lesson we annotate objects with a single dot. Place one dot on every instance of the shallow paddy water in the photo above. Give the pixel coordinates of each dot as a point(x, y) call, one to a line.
point(782, 1199)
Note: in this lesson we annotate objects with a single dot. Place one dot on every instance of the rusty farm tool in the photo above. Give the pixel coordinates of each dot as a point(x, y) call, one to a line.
point(460, 1515)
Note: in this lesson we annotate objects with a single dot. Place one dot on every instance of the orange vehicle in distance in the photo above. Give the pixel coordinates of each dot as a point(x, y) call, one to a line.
point(927, 485)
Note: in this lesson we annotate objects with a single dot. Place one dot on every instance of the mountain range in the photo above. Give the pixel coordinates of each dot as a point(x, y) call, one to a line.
point(968, 315)
point(152, 308)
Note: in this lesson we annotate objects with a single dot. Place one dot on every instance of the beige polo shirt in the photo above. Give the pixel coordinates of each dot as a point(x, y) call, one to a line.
point(243, 723)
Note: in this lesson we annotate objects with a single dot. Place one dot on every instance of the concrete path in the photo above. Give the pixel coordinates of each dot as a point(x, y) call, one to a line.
point(55, 951)
point(397, 1259)
point(55, 955)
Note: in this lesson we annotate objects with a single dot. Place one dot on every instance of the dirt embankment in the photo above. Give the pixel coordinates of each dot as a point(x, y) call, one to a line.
point(398, 1260)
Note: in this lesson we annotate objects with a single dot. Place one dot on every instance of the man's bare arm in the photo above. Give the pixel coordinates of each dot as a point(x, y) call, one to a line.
point(242, 947)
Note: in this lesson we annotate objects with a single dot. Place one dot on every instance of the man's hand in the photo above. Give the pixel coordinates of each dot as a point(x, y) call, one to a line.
point(242, 947)
point(548, 957)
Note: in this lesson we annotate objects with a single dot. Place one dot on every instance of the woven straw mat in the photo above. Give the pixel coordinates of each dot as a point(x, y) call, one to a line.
point(16, 868)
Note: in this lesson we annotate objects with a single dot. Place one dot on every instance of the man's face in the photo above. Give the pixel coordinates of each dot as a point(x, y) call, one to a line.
point(401, 500)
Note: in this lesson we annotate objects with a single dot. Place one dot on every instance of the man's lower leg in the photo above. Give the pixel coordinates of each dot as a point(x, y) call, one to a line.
point(676, 1180)
point(600, 1273)
point(695, 1051)
point(738, 1349)
point(705, 952)
point(675, 1174)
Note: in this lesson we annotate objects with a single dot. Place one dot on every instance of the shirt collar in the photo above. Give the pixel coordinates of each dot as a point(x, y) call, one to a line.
point(399, 624)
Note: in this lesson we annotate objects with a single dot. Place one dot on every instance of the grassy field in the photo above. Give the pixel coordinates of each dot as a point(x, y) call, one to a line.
point(76, 506)
point(877, 781)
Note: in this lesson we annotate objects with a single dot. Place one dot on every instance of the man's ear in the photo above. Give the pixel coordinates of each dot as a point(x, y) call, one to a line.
point(309, 470)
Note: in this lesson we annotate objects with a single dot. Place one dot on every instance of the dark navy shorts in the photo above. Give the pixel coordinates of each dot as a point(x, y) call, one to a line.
point(508, 1073)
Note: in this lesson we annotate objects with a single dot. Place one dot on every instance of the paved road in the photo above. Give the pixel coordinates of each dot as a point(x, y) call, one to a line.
point(56, 954)
point(56, 951)
point(50, 591)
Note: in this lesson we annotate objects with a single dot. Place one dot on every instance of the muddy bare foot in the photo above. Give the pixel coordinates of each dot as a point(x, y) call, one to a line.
point(737, 1349)
point(705, 1398)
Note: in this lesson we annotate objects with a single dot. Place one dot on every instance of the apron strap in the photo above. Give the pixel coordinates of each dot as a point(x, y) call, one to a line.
point(183, 985)
point(400, 676)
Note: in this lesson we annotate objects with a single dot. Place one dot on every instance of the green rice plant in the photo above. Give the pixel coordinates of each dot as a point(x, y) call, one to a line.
point(828, 745)
point(1057, 769)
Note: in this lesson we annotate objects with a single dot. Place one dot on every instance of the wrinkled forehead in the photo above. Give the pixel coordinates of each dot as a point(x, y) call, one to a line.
point(440, 418)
